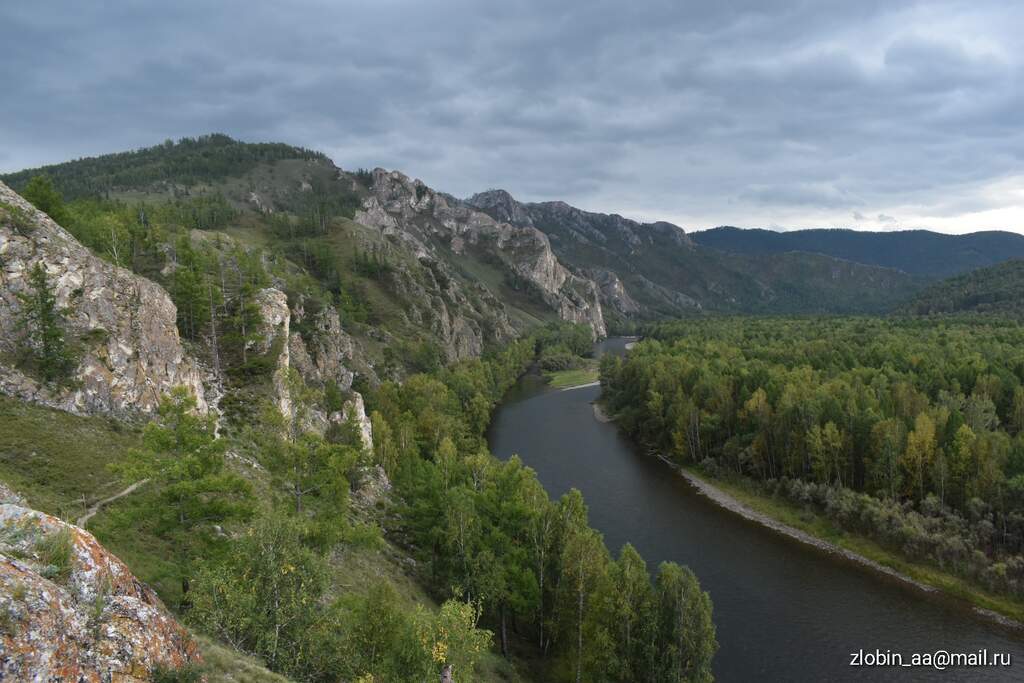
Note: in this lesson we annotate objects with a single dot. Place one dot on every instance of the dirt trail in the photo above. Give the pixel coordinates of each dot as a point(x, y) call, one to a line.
point(96, 507)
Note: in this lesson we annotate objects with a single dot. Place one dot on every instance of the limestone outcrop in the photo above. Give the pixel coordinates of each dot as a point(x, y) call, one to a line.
point(324, 358)
point(432, 222)
point(71, 611)
point(122, 325)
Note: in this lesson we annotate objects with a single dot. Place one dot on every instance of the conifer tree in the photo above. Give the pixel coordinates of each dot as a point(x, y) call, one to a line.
point(43, 320)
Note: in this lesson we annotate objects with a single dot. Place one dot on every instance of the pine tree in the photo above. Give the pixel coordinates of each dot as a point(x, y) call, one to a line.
point(43, 320)
point(45, 197)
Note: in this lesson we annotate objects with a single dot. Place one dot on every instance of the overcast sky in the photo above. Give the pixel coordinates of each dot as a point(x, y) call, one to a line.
point(758, 113)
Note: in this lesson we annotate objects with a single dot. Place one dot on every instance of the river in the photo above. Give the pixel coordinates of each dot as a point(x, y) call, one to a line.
point(784, 611)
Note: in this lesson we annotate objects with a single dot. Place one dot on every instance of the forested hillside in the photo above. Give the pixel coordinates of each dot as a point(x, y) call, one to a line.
point(215, 220)
point(909, 432)
point(997, 289)
point(919, 252)
point(323, 501)
point(186, 162)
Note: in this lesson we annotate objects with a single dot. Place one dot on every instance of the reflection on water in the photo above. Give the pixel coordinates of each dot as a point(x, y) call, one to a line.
point(784, 611)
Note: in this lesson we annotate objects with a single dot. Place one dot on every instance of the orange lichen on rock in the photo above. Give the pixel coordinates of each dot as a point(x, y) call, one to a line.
point(71, 611)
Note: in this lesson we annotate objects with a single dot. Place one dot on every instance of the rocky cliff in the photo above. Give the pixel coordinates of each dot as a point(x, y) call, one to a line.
point(71, 611)
point(327, 357)
point(608, 248)
point(122, 326)
point(438, 226)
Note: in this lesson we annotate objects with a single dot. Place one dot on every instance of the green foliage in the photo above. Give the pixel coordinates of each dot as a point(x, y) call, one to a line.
point(309, 467)
point(41, 192)
point(683, 621)
point(185, 460)
point(122, 234)
point(373, 263)
point(265, 598)
point(906, 430)
point(15, 217)
point(488, 529)
point(43, 320)
point(205, 212)
point(561, 337)
point(364, 176)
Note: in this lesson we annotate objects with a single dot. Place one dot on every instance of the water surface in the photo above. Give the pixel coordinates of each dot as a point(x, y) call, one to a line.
point(784, 611)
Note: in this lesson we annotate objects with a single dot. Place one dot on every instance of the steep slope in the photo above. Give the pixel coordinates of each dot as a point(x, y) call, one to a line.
point(120, 328)
point(438, 227)
point(996, 289)
point(919, 252)
point(655, 269)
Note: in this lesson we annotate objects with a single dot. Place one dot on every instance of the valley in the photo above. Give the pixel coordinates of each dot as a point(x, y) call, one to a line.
point(248, 374)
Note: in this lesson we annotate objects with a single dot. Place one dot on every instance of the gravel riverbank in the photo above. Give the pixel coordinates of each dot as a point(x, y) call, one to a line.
point(725, 500)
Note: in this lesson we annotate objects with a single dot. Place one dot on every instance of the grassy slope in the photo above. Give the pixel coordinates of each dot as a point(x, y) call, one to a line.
point(563, 379)
point(59, 461)
point(224, 665)
point(820, 527)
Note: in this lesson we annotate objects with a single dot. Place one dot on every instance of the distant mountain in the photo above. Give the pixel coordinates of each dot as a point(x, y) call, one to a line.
point(656, 269)
point(919, 252)
point(996, 289)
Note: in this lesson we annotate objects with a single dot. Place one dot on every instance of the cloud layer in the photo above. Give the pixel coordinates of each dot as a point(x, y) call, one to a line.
point(880, 115)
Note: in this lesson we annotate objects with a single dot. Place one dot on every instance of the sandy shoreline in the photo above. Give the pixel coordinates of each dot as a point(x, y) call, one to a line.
point(724, 500)
point(581, 386)
point(599, 414)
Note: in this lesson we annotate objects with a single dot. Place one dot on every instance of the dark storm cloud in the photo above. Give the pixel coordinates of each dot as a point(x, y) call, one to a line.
point(753, 112)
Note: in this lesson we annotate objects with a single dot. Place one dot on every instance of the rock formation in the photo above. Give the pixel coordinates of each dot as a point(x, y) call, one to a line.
point(123, 324)
point(71, 611)
point(332, 351)
point(430, 222)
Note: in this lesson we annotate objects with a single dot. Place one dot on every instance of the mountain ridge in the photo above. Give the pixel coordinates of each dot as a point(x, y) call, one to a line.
point(919, 252)
point(656, 269)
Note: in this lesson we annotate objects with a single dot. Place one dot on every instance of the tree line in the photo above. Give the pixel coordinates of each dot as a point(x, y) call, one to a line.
point(490, 535)
point(910, 431)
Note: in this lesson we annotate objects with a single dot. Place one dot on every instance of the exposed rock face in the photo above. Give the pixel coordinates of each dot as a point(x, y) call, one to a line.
point(613, 293)
point(331, 349)
point(501, 206)
point(327, 353)
point(125, 324)
point(91, 621)
point(431, 221)
point(355, 410)
point(606, 247)
point(274, 336)
point(372, 487)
